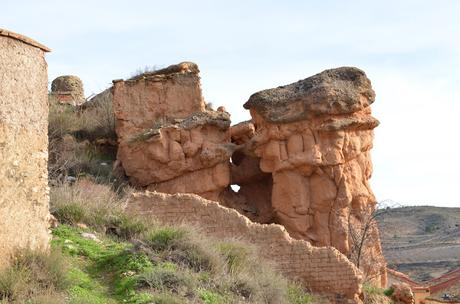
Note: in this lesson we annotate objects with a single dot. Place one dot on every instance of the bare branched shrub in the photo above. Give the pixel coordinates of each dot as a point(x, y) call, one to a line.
point(364, 235)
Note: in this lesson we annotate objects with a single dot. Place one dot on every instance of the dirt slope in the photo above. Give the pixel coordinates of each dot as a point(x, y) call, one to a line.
point(423, 242)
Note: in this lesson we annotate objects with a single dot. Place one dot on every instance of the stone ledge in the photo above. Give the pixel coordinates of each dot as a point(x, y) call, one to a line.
point(24, 39)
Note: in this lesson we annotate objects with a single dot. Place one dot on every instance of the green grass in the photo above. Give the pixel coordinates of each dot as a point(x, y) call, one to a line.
point(376, 295)
point(297, 295)
point(110, 270)
point(136, 261)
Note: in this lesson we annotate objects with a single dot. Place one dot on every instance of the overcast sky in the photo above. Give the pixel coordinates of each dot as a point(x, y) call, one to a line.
point(409, 49)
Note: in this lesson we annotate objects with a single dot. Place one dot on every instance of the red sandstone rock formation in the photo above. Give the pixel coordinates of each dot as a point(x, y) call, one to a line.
point(314, 137)
point(303, 161)
point(168, 141)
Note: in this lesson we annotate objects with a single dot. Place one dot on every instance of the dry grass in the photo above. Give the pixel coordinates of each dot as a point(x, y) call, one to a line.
point(187, 265)
point(85, 122)
point(36, 278)
point(96, 205)
point(74, 136)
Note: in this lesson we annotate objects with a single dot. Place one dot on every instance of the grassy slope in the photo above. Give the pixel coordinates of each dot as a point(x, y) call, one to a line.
point(133, 260)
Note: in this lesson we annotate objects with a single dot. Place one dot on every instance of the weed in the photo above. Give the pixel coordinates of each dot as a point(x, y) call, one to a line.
point(34, 276)
point(166, 298)
point(235, 254)
point(297, 295)
point(209, 297)
point(71, 213)
point(163, 238)
point(388, 292)
point(164, 279)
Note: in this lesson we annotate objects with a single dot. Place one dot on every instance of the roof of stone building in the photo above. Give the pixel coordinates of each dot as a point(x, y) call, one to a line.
point(336, 91)
point(24, 39)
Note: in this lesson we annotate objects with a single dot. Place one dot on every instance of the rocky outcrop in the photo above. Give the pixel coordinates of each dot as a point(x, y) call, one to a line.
point(168, 140)
point(303, 161)
point(23, 146)
point(314, 137)
point(68, 89)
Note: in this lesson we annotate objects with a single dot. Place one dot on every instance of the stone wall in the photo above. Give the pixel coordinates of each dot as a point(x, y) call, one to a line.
point(23, 145)
point(322, 269)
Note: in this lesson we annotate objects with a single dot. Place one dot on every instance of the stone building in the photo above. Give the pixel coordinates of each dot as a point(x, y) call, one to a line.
point(68, 89)
point(24, 199)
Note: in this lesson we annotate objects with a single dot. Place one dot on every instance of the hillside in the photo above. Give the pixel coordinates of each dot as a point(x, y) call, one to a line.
point(423, 242)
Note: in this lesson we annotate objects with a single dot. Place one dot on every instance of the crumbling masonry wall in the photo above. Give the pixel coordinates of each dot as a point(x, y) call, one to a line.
point(322, 269)
point(23, 146)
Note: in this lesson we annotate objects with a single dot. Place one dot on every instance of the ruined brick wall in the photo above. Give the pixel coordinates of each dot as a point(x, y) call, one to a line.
point(23, 145)
point(322, 269)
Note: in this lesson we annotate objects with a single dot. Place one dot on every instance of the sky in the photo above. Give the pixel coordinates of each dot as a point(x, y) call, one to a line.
point(409, 49)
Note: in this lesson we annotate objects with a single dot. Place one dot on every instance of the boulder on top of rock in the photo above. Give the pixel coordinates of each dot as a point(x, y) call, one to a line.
point(342, 90)
point(68, 89)
point(314, 137)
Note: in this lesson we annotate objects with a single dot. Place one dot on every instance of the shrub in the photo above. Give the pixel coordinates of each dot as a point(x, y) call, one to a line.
point(373, 294)
point(35, 277)
point(164, 238)
point(388, 292)
point(297, 295)
point(209, 297)
point(124, 226)
point(165, 279)
point(235, 254)
point(244, 286)
point(93, 204)
point(183, 248)
point(165, 298)
point(71, 213)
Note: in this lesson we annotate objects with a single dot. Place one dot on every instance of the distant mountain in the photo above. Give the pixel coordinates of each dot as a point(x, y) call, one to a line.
point(423, 242)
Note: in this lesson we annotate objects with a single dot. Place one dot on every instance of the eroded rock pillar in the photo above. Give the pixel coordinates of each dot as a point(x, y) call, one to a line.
point(314, 137)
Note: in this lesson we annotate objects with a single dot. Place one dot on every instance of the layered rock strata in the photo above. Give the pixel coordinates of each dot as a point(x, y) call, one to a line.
point(168, 140)
point(314, 137)
point(303, 161)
